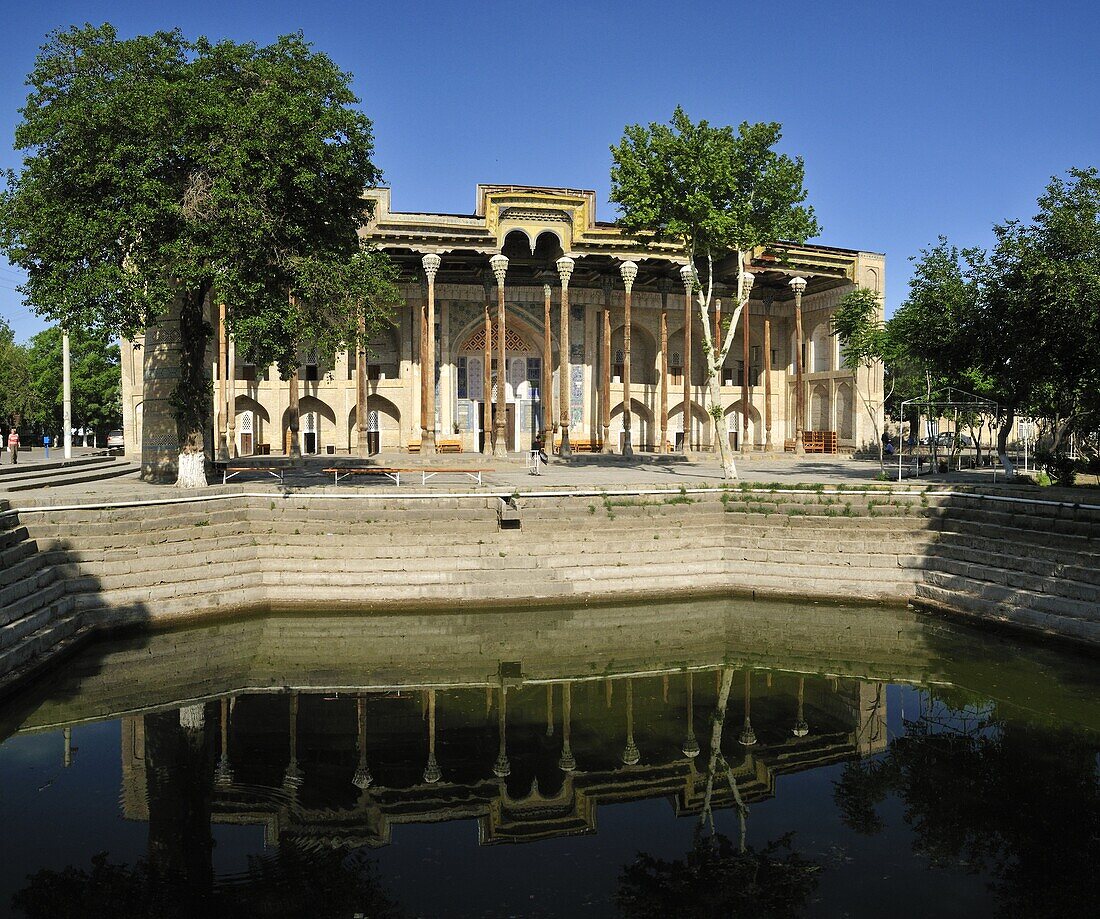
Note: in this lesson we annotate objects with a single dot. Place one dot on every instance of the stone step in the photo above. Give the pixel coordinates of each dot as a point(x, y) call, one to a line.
point(1082, 578)
point(17, 561)
point(20, 628)
point(49, 467)
point(1016, 615)
point(12, 536)
point(982, 520)
point(73, 477)
point(168, 610)
point(1050, 546)
point(991, 510)
point(45, 645)
point(35, 576)
point(1015, 596)
point(144, 599)
point(43, 596)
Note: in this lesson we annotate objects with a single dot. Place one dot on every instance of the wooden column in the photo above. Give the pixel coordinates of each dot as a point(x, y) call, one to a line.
point(746, 330)
point(665, 286)
point(293, 421)
point(629, 272)
point(423, 362)
point(223, 359)
point(566, 762)
point(768, 445)
point(547, 372)
point(798, 285)
point(231, 394)
point(499, 265)
point(687, 275)
point(565, 270)
point(361, 386)
point(427, 360)
point(293, 417)
point(487, 374)
point(605, 375)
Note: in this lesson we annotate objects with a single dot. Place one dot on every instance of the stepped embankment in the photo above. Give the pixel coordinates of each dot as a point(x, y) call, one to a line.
point(67, 571)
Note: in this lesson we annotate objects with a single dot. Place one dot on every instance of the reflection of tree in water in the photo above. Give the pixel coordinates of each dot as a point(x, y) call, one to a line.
point(717, 878)
point(1016, 800)
point(177, 880)
point(327, 884)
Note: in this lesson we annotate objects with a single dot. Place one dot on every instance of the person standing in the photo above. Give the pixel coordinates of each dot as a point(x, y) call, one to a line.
point(13, 446)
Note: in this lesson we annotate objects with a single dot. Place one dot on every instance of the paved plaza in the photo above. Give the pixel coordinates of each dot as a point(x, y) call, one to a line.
point(581, 471)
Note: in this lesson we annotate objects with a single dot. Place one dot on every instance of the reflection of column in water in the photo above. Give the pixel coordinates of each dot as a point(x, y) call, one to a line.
point(566, 762)
point(801, 729)
point(631, 755)
point(549, 709)
point(431, 770)
point(748, 736)
point(223, 776)
point(67, 758)
point(292, 778)
point(502, 767)
point(362, 777)
point(690, 745)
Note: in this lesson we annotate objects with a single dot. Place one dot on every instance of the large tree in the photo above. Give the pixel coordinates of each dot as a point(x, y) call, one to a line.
point(96, 383)
point(16, 394)
point(162, 176)
point(719, 192)
point(1019, 324)
point(865, 343)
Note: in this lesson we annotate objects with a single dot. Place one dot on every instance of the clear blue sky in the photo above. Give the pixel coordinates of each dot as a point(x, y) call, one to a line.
point(915, 119)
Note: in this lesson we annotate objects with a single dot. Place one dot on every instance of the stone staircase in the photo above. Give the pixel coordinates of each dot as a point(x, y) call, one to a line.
point(66, 572)
point(1031, 565)
point(38, 618)
point(52, 473)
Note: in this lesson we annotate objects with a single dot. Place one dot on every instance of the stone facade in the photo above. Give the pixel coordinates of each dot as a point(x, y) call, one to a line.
point(535, 228)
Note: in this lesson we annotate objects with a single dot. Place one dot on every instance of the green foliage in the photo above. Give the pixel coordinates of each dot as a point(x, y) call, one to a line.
point(95, 380)
point(714, 188)
point(1021, 323)
point(717, 878)
point(160, 170)
point(17, 398)
point(1061, 468)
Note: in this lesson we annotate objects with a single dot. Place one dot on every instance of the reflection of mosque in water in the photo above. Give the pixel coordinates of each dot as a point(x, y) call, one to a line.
point(529, 760)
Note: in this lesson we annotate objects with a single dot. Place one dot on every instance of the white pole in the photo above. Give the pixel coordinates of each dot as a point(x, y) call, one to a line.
point(66, 395)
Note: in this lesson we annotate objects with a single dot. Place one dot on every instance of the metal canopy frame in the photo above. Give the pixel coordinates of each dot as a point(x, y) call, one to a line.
point(949, 398)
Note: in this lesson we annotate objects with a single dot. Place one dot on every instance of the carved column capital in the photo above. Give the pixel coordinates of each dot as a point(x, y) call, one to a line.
point(565, 269)
point(431, 266)
point(629, 272)
point(687, 275)
point(499, 264)
point(798, 285)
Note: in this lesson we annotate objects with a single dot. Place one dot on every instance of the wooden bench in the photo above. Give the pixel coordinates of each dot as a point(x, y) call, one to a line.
point(413, 446)
point(342, 472)
point(428, 472)
point(231, 469)
point(449, 445)
point(580, 445)
point(394, 474)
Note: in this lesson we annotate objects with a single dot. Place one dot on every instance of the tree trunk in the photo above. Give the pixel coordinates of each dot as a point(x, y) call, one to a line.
point(191, 398)
point(725, 454)
point(1002, 442)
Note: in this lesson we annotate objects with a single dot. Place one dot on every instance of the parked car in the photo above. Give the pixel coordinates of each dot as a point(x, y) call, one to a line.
point(116, 441)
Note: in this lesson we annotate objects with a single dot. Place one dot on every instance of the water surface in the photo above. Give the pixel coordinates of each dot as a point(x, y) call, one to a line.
point(692, 759)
